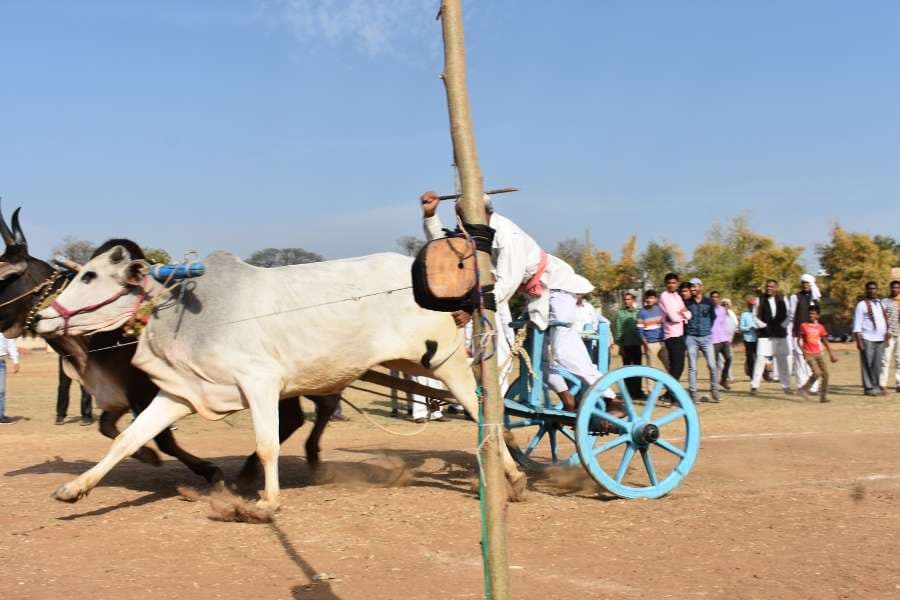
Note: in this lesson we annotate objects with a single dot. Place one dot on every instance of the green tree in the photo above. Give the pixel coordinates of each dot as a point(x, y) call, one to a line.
point(410, 244)
point(157, 255)
point(851, 259)
point(736, 260)
point(657, 259)
point(280, 257)
point(75, 249)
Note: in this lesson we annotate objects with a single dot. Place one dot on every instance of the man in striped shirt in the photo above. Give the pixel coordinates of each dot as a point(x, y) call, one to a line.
point(650, 324)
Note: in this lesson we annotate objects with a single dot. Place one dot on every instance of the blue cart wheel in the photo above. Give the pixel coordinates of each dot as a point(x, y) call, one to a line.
point(664, 434)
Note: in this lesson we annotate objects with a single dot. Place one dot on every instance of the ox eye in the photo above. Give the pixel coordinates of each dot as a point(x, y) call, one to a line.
point(88, 277)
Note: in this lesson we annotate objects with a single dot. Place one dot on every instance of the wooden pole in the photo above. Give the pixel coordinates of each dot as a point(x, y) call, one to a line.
point(472, 207)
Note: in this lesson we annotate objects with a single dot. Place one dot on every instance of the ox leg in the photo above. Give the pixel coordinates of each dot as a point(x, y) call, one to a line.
point(260, 394)
point(290, 419)
point(165, 440)
point(325, 407)
point(458, 379)
point(162, 412)
point(108, 427)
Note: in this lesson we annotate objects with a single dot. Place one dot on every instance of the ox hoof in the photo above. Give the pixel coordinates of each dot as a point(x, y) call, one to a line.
point(69, 492)
point(517, 487)
point(268, 506)
point(148, 455)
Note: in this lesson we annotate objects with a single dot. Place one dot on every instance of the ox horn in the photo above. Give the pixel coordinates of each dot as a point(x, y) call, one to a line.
point(8, 236)
point(17, 229)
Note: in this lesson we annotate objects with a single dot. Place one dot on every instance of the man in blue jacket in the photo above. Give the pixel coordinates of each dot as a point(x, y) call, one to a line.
point(698, 338)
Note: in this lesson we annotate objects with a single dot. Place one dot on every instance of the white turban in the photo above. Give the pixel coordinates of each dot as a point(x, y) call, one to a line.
point(576, 284)
point(814, 289)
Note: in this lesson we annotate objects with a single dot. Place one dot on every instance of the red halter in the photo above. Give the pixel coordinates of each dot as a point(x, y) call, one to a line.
point(67, 314)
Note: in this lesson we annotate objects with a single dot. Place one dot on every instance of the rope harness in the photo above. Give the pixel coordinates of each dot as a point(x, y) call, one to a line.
point(66, 314)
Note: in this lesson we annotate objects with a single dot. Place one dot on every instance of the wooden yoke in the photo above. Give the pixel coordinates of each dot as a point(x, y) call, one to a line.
point(472, 208)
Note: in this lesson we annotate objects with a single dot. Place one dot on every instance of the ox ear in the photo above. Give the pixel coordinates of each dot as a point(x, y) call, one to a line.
point(136, 271)
point(118, 254)
point(9, 269)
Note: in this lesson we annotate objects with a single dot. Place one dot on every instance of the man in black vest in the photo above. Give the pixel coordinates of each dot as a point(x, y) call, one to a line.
point(772, 321)
point(799, 306)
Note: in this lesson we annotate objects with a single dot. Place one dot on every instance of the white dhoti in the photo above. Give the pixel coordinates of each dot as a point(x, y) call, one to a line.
point(891, 349)
point(504, 337)
point(569, 352)
point(779, 349)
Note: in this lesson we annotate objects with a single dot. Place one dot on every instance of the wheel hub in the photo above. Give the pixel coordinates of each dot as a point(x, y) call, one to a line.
point(645, 434)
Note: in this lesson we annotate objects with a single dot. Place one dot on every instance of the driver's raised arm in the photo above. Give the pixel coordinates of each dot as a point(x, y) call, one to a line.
point(434, 229)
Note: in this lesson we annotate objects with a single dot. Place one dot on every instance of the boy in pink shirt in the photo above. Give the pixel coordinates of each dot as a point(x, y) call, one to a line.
point(675, 314)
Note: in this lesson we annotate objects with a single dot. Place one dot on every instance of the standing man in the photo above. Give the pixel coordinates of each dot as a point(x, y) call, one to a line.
point(650, 324)
point(748, 332)
point(675, 316)
point(699, 339)
point(870, 329)
point(62, 399)
point(892, 305)
point(800, 303)
point(628, 338)
point(7, 348)
point(722, 334)
point(772, 321)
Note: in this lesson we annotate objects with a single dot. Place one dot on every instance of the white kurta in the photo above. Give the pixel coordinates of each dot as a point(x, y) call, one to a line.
point(586, 317)
point(516, 257)
point(569, 352)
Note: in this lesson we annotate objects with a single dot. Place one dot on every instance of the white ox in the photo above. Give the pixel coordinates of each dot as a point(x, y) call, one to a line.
point(244, 337)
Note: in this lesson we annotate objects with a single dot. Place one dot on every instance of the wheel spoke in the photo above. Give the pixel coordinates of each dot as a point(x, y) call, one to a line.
point(566, 432)
point(670, 448)
point(611, 444)
point(651, 400)
point(535, 440)
point(626, 460)
point(629, 404)
point(523, 423)
point(669, 417)
point(648, 464)
point(551, 433)
point(611, 419)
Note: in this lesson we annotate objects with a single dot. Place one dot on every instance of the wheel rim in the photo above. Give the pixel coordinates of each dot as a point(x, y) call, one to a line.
point(666, 439)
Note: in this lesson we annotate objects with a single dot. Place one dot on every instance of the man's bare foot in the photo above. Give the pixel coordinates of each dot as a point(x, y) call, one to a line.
point(568, 400)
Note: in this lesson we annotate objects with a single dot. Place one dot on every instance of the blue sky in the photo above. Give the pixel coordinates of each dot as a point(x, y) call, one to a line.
point(316, 123)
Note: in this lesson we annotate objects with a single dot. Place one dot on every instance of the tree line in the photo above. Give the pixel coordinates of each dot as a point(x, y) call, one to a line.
point(736, 261)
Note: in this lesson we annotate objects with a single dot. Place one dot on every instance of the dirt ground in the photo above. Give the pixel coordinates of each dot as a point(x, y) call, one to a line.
point(788, 499)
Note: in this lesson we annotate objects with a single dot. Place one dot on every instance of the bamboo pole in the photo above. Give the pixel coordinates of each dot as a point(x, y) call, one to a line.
point(472, 207)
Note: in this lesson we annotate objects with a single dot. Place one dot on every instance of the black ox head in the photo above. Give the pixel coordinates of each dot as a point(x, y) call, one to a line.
point(19, 274)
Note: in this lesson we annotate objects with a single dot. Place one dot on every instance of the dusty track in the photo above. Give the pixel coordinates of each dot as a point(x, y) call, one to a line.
point(788, 500)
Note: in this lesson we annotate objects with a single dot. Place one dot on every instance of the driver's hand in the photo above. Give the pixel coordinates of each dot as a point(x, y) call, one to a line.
point(429, 202)
point(461, 318)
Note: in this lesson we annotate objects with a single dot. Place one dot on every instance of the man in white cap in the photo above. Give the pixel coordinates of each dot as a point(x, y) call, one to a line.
point(798, 313)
